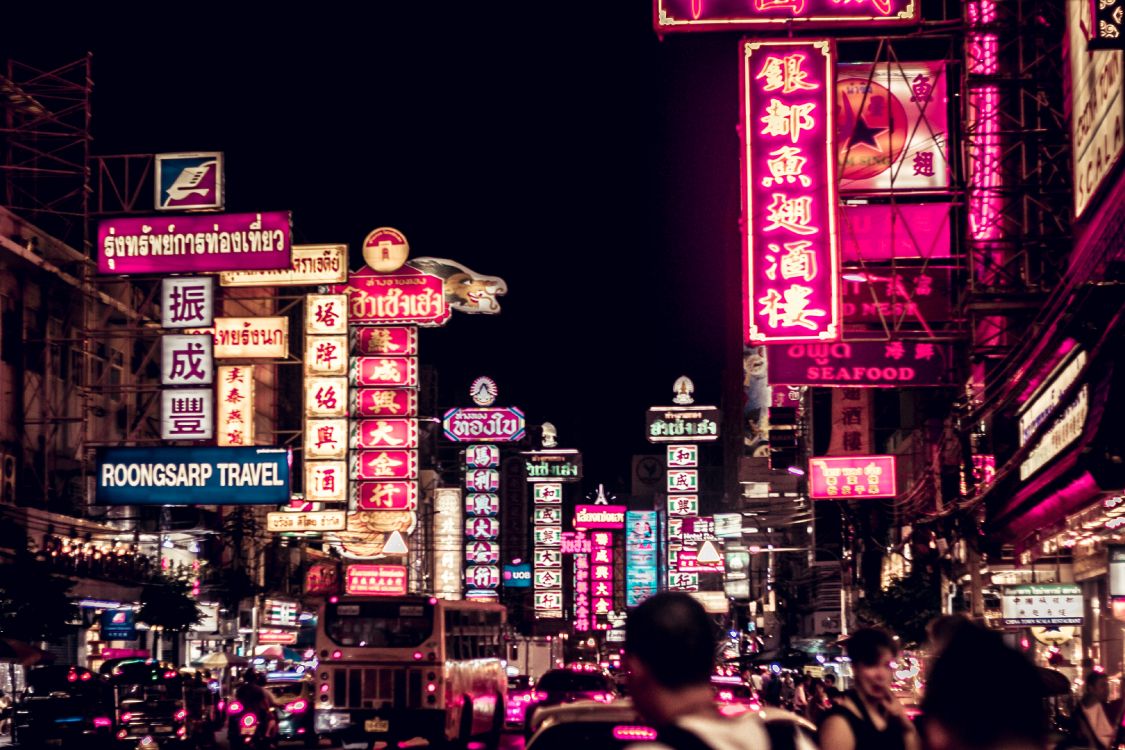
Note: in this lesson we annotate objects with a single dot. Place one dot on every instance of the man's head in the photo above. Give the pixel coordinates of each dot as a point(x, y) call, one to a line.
point(969, 713)
point(669, 646)
point(1097, 686)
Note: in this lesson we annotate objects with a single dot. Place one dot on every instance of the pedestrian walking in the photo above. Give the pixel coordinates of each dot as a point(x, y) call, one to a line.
point(963, 711)
point(819, 703)
point(869, 717)
point(1094, 720)
point(670, 655)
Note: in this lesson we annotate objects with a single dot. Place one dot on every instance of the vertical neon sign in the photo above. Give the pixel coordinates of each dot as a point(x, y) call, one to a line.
point(982, 59)
point(791, 252)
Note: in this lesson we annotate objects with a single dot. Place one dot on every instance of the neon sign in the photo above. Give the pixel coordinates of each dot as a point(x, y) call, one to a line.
point(725, 15)
point(789, 182)
point(838, 477)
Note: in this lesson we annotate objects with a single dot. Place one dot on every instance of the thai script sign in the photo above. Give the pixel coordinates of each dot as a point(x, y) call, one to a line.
point(1096, 106)
point(640, 556)
point(670, 424)
point(384, 464)
point(1042, 604)
point(716, 15)
point(309, 265)
point(892, 127)
point(187, 302)
point(485, 424)
point(384, 402)
point(192, 476)
point(879, 232)
point(186, 360)
point(383, 433)
point(405, 296)
point(187, 414)
point(911, 296)
point(397, 372)
point(863, 363)
point(553, 466)
point(375, 580)
point(189, 182)
point(599, 517)
point(194, 244)
point(394, 495)
point(235, 393)
point(400, 341)
point(328, 520)
point(252, 338)
point(852, 477)
point(791, 256)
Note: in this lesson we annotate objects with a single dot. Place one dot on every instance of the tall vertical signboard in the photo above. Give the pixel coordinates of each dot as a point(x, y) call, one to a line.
point(790, 247)
point(546, 558)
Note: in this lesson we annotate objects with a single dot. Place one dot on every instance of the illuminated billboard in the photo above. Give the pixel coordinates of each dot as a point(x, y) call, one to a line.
point(791, 255)
point(732, 15)
point(170, 475)
point(855, 477)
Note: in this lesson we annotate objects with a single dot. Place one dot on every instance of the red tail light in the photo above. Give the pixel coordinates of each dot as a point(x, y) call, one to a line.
point(181, 715)
point(102, 721)
point(603, 697)
point(85, 676)
point(726, 695)
point(633, 733)
point(126, 717)
point(296, 707)
point(234, 708)
point(249, 720)
point(71, 677)
point(122, 734)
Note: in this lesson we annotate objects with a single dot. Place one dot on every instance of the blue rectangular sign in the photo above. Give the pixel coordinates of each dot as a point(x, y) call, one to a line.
point(640, 556)
point(118, 625)
point(517, 576)
point(173, 475)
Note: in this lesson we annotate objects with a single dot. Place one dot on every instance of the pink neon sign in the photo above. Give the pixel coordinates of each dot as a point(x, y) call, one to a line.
point(839, 477)
point(725, 15)
point(791, 253)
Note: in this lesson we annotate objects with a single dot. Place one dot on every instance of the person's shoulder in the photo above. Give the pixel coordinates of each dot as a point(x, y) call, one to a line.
point(745, 732)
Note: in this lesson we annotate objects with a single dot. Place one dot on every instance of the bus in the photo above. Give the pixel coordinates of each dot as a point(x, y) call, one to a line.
point(408, 669)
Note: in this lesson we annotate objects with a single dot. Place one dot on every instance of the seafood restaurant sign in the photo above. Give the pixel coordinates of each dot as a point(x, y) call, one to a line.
point(503, 424)
point(190, 244)
point(862, 363)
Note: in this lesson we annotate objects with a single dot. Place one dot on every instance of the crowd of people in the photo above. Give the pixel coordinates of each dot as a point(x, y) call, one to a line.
point(669, 653)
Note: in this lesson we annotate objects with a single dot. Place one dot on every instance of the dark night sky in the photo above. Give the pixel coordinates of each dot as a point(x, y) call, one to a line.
point(592, 166)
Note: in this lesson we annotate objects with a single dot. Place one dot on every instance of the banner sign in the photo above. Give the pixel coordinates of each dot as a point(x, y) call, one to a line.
point(397, 372)
point(384, 402)
point(640, 556)
point(879, 232)
point(401, 341)
point(497, 424)
point(599, 517)
point(553, 466)
point(375, 580)
point(385, 495)
point(194, 244)
point(863, 363)
point(405, 296)
point(328, 520)
point(893, 126)
point(1042, 604)
point(791, 257)
point(172, 475)
point(310, 265)
point(911, 296)
point(189, 182)
point(834, 478)
point(384, 464)
point(717, 15)
point(187, 302)
point(670, 424)
point(257, 338)
point(383, 433)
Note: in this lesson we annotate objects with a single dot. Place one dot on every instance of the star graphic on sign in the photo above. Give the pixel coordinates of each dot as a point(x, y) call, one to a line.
point(862, 134)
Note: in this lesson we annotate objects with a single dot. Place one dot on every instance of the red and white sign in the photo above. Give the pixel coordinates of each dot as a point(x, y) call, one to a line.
point(482, 528)
point(385, 495)
point(326, 355)
point(277, 636)
point(375, 580)
point(791, 254)
point(326, 397)
point(399, 341)
point(405, 296)
point(395, 372)
point(384, 464)
point(599, 517)
point(725, 15)
point(384, 402)
point(484, 425)
point(384, 433)
point(834, 477)
point(326, 438)
point(235, 396)
point(326, 314)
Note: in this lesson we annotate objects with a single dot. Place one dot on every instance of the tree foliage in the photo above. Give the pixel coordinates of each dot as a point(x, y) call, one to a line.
point(35, 602)
point(168, 604)
point(904, 607)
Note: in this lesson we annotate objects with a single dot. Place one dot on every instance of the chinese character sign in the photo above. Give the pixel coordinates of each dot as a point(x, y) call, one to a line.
point(547, 537)
point(448, 534)
point(186, 360)
point(326, 355)
point(235, 395)
point(186, 414)
point(791, 262)
point(326, 314)
point(858, 477)
point(187, 302)
point(326, 438)
point(326, 481)
point(725, 15)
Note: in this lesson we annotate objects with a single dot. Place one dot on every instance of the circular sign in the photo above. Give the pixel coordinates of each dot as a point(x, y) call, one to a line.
point(483, 391)
point(872, 128)
point(385, 249)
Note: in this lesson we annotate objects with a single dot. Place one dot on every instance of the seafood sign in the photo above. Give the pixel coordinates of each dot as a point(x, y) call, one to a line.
point(185, 244)
point(492, 424)
point(892, 363)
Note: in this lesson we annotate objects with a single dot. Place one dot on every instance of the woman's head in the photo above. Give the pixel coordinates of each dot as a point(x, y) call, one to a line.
point(872, 652)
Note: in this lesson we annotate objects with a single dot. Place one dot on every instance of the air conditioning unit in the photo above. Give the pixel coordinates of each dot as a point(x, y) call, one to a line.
point(7, 479)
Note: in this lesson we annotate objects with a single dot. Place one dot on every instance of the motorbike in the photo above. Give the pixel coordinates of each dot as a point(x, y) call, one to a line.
point(246, 729)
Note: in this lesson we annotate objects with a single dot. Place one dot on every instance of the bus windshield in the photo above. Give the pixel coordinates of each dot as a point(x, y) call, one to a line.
point(379, 624)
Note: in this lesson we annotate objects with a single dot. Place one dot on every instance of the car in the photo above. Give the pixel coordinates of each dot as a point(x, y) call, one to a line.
point(600, 726)
point(733, 695)
point(579, 681)
point(67, 706)
point(293, 694)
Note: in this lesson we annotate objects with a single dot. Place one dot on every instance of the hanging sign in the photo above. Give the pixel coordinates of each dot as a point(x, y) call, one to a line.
point(189, 182)
point(599, 517)
point(397, 372)
point(326, 396)
point(448, 539)
point(310, 265)
point(405, 296)
point(716, 15)
point(326, 355)
point(235, 394)
point(1042, 604)
point(384, 402)
point(482, 456)
point(326, 314)
point(368, 434)
point(863, 363)
point(553, 466)
point(328, 520)
point(187, 414)
point(252, 338)
point(326, 438)
point(194, 244)
point(375, 580)
point(187, 302)
point(484, 504)
point(400, 341)
point(487, 424)
point(186, 360)
point(326, 481)
point(832, 477)
point(669, 424)
point(390, 495)
point(192, 476)
point(384, 464)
